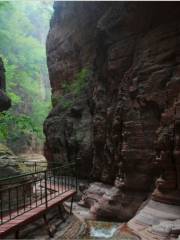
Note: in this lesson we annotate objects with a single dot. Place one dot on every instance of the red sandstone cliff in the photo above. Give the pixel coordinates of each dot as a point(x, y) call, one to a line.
point(117, 122)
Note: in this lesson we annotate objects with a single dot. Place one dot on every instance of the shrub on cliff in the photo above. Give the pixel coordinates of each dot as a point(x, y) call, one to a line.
point(74, 88)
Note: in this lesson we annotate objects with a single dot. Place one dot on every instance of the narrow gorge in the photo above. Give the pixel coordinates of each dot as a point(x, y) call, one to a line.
point(109, 132)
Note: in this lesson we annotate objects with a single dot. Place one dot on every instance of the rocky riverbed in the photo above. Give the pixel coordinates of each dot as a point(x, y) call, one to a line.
point(11, 164)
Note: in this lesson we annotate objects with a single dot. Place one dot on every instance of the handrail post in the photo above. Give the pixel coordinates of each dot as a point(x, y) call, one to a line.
point(76, 173)
point(1, 206)
point(35, 167)
point(46, 200)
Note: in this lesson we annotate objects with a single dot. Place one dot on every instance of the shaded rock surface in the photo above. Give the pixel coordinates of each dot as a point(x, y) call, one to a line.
point(8, 167)
point(5, 102)
point(118, 124)
point(110, 203)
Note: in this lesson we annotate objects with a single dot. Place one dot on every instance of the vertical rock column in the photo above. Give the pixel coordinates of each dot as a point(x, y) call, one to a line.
point(168, 145)
point(5, 102)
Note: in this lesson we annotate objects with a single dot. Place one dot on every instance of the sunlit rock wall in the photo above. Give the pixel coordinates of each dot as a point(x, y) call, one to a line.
point(114, 126)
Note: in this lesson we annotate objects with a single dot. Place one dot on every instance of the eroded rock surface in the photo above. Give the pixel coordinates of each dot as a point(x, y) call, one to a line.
point(156, 221)
point(115, 123)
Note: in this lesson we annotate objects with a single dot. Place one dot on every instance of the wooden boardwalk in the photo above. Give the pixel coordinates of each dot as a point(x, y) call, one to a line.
point(36, 210)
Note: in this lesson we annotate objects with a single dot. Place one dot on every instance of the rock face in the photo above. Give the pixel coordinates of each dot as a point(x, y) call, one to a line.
point(5, 102)
point(121, 124)
point(158, 221)
point(8, 163)
point(8, 167)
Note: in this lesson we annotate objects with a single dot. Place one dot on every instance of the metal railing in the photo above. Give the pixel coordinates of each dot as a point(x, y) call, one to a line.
point(22, 193)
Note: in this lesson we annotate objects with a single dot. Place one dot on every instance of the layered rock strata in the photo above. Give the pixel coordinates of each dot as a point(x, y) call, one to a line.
point(116, 126)
point(156, 221)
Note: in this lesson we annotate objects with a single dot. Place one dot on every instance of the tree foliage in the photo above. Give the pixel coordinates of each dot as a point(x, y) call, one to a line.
point(23, 29)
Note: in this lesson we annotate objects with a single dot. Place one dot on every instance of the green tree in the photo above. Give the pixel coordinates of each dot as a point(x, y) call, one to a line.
point(23, 30)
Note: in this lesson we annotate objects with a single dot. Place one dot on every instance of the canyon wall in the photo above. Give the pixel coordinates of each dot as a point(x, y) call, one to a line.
point(7, 165)
point(122, 125)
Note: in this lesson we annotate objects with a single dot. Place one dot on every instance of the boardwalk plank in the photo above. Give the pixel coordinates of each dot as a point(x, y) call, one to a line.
point(31, 215)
